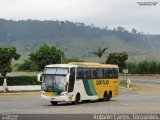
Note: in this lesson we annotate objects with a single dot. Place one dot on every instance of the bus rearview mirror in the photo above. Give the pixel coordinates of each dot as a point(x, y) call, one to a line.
point(39, 78)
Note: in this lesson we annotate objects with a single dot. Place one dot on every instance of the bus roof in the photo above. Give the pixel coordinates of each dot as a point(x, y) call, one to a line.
point(95, 65)
point(83, 64)
point(61, 65)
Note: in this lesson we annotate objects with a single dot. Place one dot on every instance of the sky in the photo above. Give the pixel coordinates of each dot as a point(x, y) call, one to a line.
point(101, 13)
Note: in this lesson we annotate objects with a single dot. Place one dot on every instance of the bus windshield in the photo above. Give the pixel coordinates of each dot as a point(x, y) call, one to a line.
point(54, 83)
point(56, 70)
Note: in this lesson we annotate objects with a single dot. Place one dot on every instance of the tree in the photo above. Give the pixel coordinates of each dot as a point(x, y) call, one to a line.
point(99, 52)
point(117, 58)
point(27, 65)
point(68, 60)
point(120, 29)
point(134, 31)
point(6, 56)
point(46, 55)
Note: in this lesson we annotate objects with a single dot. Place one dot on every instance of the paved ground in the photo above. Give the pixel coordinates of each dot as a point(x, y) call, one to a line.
point(144, 80)
point(138, 100)
point(147, 84)
point(127, 102)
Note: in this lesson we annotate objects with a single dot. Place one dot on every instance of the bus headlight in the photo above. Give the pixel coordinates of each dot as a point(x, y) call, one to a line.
point(64, 93)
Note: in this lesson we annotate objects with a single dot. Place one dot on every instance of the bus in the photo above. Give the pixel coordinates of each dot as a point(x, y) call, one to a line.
point(79, 81)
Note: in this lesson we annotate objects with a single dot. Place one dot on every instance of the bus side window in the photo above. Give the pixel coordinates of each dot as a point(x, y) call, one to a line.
point(100, 73)
point(116, 74)
point(71, 80)
point(105, 73)
point(86, 73)
point(80, 74)
point(94, 73)
point(110, 73)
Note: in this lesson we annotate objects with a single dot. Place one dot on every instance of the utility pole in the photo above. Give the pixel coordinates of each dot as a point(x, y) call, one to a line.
point(60, 31)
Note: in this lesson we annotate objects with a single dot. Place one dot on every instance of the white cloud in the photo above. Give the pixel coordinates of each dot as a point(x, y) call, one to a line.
point(99, 12)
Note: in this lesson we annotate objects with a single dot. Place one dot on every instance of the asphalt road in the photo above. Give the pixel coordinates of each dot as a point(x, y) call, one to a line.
point(143, 80)
point(128, 102)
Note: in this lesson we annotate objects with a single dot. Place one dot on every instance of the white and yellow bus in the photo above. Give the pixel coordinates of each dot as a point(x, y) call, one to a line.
point(79, 81)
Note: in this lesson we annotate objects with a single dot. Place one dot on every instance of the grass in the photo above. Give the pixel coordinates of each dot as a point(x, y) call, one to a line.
point(123, 84)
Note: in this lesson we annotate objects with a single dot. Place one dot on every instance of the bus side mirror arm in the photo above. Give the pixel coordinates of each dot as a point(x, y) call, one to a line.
point(67, 86)
point(67, 83)
point(39, 78)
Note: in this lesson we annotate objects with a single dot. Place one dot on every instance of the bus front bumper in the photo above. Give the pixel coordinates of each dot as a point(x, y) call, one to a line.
point(65, 98)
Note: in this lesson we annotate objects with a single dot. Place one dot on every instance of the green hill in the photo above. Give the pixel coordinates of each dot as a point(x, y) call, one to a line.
point(77, 39)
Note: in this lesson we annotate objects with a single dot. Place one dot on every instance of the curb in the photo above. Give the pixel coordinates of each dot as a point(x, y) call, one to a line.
point(126, 88)
point(19, 93)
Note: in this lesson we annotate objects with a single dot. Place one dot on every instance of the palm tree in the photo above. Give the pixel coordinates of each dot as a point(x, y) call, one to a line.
point(99, 52)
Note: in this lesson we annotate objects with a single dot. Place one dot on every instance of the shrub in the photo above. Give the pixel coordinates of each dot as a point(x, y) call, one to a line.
point(144, 67)
point(117, 58)
point(27, 65)
point(68, 60)
point(20, 80)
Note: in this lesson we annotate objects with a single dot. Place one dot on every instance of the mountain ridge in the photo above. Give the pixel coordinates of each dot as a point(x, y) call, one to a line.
point(76, 40)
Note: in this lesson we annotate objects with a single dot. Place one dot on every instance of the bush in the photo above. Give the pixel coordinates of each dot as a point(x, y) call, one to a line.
point(27, 65)
point(144, 67)
point(68, 60)
point(117, 58)
point(20, 80)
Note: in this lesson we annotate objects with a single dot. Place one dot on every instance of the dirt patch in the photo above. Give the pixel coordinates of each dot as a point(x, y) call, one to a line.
point(146, 89)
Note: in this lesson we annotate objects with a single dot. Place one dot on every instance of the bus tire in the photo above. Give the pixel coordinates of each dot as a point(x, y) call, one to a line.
point(77, 99)
point(106, 97)
point(110, 95)
point(54, 102)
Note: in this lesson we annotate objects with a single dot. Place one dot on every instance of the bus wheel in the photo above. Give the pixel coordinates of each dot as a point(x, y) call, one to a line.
point(53, 102)
point(110, 95)
point(106, 97)
point(77, 99)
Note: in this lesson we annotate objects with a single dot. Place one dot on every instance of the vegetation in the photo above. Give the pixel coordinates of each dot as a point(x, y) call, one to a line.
point(77, 38)
point(27, 66)
point(6, 56)
point(99, 52)
point(144, 67)
point(21, 80)
point(124, 84)
point(117, 58)
point(46, 55)
point(68, 60)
